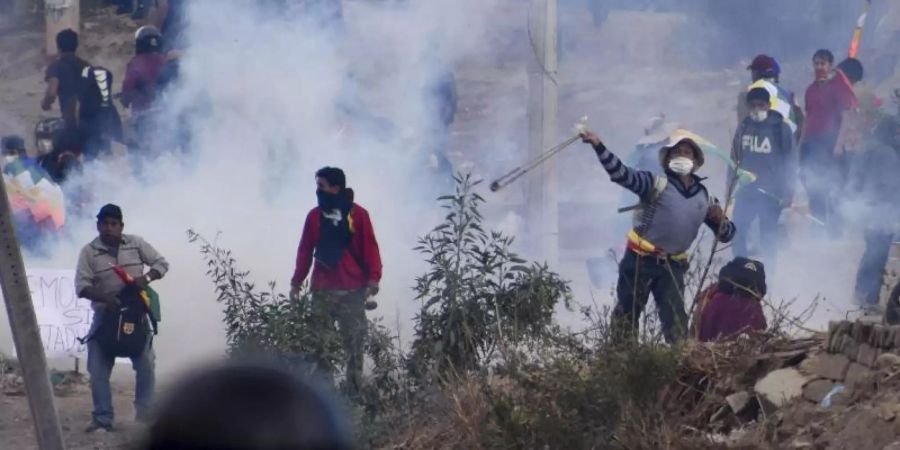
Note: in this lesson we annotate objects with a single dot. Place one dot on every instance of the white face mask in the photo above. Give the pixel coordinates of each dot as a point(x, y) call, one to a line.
point(759, 115)
point(681, 165)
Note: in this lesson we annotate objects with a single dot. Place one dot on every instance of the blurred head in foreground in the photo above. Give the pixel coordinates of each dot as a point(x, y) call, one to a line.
point(244, 406)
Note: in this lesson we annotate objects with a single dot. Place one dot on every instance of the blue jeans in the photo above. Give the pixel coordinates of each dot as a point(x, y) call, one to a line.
point(100, 366)
point(870, 277)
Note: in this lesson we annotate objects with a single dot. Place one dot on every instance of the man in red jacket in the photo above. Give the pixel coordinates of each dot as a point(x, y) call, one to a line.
point(339, 244)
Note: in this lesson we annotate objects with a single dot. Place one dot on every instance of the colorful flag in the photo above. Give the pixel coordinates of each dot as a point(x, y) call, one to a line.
point(32, 191)
point(857, 32)
point(148, 295)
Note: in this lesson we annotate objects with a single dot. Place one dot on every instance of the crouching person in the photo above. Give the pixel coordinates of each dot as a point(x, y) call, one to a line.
point(733, 306)
point(673, 208)
point(96, 280)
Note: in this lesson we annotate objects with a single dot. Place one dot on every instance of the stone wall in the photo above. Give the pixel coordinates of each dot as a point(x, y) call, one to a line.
point(854, 352)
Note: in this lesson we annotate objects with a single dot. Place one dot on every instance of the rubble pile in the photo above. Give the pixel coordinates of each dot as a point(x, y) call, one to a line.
point(854, 354)
point(834, 390)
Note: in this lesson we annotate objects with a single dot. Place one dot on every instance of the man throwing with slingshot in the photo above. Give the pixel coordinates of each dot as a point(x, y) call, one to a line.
point(672, 208)
point(339, 244)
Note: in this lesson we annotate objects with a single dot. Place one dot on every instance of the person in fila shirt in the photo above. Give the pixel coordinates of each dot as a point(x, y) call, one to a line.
point(763, 145)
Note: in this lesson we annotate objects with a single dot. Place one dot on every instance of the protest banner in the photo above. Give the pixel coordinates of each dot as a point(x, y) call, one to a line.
point(61, 315)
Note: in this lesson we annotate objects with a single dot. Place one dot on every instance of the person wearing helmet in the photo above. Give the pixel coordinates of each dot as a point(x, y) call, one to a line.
point(142, 71)
point(140, 87)
point(46, 131)
point(674, 206)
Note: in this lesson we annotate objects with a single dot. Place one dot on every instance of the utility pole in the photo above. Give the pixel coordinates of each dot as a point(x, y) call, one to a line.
point(26, 335)
point(60, 15)
point(541, 197)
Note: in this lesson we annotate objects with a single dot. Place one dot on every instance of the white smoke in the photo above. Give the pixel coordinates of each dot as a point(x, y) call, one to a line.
point(269, 92)
point(268, 96)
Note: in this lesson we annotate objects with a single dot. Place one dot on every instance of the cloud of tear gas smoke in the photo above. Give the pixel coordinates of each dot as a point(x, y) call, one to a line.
point(274, 97)
point(632, 60)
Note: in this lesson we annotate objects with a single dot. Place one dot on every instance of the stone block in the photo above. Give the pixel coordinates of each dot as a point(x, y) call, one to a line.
point(836, 333)
point(887, 340)
point(887, 360)
point(867, 330)
point(867, 355)
point(897, 338)
point(832, 367)
point(859, 377)
point(739, 401)
point(816, 390)
point(809, 366)
point(856, 331)
point(885, 337)
point(849, 347)
point(781, 386)
point(832, 341)
point(877, 337)
point(892, 338)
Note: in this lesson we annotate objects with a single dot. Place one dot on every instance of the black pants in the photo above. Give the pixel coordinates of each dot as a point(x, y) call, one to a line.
point(750, 205)
point(639, 276)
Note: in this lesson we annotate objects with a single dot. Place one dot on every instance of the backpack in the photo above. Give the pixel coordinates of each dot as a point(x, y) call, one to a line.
point(124, 332)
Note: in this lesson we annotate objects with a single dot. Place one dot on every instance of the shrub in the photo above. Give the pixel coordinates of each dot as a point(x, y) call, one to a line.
point(477, 295)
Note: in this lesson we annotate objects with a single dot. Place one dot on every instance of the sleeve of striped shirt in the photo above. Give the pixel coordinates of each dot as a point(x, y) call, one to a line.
point(638, 181)
point(725, 232)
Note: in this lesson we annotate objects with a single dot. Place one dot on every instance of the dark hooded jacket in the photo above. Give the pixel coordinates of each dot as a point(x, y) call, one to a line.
point(767, 150)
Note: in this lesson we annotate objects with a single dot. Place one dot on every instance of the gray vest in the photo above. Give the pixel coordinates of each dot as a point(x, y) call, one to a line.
point(670, 221)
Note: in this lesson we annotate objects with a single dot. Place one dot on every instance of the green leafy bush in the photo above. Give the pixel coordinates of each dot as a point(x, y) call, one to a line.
point(477, 296)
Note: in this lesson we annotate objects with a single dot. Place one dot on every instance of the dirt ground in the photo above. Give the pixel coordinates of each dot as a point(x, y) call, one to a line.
point(74, 408)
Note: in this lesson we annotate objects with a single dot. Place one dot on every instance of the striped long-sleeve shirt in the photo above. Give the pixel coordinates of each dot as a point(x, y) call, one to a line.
point(672, 221)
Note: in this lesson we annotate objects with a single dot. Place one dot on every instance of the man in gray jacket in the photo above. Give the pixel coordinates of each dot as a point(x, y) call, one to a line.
point(764, 146)
point(96, 281)
point(674, 207)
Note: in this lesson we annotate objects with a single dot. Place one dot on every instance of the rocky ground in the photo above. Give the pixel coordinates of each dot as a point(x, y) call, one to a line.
point(835, 390)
